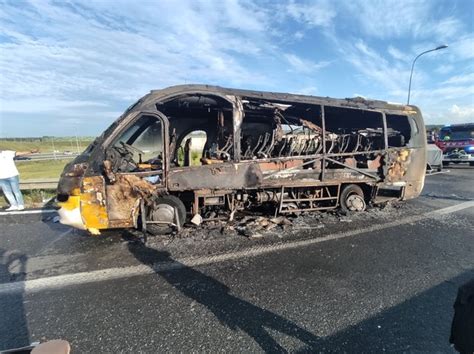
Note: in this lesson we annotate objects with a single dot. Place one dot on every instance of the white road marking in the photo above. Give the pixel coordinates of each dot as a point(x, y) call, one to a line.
point(24, 212)
point(60, 281)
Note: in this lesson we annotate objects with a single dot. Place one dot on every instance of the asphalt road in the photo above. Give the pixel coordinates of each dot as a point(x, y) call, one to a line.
point(383, 280)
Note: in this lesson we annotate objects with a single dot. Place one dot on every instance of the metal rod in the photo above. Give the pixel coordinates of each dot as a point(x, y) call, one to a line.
point(385, 133)
point(309, 209)
point(308, 199)
point(323, 124)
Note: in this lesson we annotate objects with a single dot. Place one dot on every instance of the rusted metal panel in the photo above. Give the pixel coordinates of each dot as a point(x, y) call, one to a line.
point(123, 198)
point(397, 165)
point(224, 175)
point(93, 204)
point(280, 165)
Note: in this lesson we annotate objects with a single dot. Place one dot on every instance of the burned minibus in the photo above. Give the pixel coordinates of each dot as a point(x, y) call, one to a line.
point(183, 151)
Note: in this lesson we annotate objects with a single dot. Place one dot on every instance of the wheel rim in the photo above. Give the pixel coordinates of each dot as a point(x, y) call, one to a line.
point(163, 213)
point(355, 202)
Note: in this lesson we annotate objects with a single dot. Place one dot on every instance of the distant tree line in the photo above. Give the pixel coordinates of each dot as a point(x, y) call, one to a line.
point(46, 138)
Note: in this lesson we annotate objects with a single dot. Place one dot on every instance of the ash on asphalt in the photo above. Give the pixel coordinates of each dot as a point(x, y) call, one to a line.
point(248, 231)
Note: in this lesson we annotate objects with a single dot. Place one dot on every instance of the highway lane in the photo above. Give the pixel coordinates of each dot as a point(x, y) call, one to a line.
point(382, 287)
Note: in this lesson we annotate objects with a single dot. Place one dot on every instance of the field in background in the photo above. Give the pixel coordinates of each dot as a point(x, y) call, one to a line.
point(36, 170)
point(46, 144)
point(33, 170)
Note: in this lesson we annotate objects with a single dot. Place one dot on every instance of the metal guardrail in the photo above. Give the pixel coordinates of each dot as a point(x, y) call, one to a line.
point(47, 183)
point(45, 157)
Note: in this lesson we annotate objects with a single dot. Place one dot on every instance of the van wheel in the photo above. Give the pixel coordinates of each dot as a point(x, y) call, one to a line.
point(445, 163)
point(163, 210)
point(352, 199)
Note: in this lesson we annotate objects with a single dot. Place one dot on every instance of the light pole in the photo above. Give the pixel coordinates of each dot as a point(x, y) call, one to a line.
point(413, 65)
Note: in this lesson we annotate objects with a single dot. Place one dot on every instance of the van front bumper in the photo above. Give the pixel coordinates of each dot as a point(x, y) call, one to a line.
point(70, 213)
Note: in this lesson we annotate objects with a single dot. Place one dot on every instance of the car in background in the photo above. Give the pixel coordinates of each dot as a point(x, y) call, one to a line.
point(457, 143)
point(434, 158)
point(21, 158)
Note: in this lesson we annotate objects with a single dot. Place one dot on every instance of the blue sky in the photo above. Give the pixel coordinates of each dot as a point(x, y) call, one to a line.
point(72, 67)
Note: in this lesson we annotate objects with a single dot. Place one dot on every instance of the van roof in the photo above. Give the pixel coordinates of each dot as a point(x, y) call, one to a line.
point(356, 102)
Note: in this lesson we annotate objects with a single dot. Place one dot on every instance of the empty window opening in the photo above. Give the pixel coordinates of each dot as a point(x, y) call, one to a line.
point(139, 148)
point(191, 149)
point(399, 129)
point(210, 115)
point(354, 137)
point(276, 129)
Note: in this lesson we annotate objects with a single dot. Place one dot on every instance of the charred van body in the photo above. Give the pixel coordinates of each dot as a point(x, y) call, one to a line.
point(183, 150)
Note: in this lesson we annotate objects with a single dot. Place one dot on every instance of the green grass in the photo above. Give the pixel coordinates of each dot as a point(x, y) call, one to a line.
point(32, 198)
point(195, 157)
point(40, 169)
point(46, 144)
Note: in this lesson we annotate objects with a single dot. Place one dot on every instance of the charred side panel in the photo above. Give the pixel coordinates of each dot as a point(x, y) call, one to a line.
point(215, 176)
point(93, 204)
point(123, 199)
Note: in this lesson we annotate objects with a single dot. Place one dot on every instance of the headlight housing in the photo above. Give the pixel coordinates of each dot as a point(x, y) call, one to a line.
point(77, 170)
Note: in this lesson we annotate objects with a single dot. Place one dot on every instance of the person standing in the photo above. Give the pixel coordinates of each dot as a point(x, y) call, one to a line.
point(10, 180)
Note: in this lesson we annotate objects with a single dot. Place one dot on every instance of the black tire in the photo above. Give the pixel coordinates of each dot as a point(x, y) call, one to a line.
point(174, 202)
point(445, 163)
point(344, 199)
point(471, 163)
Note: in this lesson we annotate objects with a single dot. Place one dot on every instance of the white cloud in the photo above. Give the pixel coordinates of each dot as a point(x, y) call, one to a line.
point(462, 113)
point(316, 13)
point(388, 18)
point(398, 54)
point(304, 66)
point(60, 52)
point(373, 67)
point(308, 90)
point(463, 48)
point(460, 79)
point(444, 69)
point(49, 105)
point(397, 18)
point(451, 115)
point(298, 35)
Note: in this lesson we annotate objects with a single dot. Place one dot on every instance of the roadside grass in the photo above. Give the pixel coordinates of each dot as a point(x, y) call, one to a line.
point(33, 198)
point(46, 144)
point(195, 157)
point(32, 170)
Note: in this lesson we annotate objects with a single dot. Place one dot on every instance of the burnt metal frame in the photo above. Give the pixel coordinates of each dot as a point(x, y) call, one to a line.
point(165, 139)
point(328, 156)
point(325, 187)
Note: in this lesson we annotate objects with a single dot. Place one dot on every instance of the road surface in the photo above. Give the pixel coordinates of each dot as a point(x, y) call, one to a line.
point(383, 280)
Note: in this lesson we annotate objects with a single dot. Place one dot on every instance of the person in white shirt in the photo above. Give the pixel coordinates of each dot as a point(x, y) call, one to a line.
point(10, 180)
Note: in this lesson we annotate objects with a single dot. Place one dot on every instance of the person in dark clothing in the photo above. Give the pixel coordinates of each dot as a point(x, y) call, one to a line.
point(462, 328)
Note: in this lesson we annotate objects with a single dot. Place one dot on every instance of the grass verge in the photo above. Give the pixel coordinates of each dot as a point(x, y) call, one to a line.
point(34, 198)
point(32, 170)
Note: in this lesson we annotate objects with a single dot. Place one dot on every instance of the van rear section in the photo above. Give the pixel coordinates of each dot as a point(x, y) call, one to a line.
point(196, 151)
